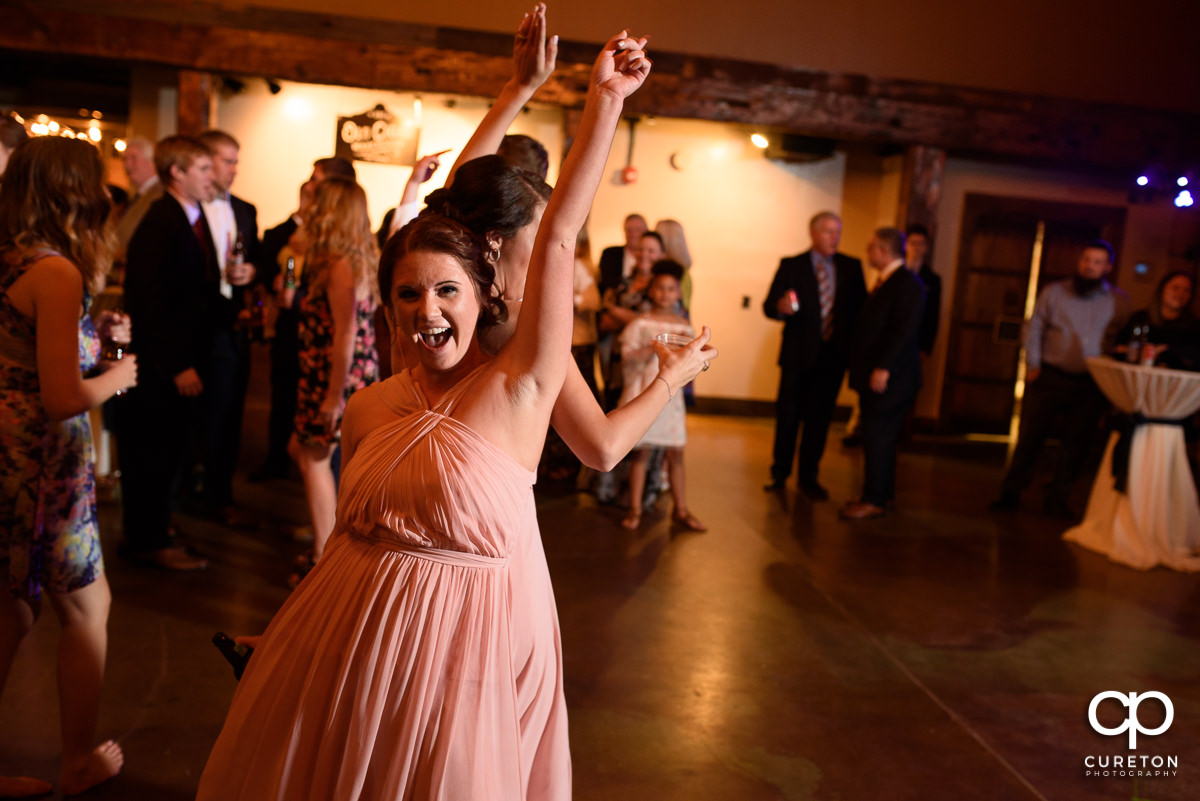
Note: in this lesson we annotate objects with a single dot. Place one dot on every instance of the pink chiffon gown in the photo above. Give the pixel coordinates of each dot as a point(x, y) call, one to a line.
point(421, 658)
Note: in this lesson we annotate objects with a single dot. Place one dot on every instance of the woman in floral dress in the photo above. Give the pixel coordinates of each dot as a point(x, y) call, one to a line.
point(337, 339)
point(54, 251)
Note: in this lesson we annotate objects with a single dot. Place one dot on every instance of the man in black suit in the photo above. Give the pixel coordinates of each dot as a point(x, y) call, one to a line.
point(817, 294)
point(171, 294)
point(885, 368)
point(916, 259)
point(234, 226)
point(617, 261)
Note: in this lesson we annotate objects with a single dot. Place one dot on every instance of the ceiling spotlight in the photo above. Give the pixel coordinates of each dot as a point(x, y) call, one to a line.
point(1183, 200)
point(1183, 181)
point(1142, 180)
point(119, 145)
point(759, 141)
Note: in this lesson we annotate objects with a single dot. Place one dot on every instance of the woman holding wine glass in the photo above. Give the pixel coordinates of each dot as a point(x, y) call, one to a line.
point(54, 251)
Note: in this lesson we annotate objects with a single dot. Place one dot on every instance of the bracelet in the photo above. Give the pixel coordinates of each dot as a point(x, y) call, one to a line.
point(670, 394)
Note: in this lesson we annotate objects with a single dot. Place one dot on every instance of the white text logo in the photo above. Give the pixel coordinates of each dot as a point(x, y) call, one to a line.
point(1131, 724)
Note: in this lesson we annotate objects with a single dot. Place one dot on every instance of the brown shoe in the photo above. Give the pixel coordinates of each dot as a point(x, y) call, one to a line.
point(233, 517)
point(175, 558)
point(861, 511)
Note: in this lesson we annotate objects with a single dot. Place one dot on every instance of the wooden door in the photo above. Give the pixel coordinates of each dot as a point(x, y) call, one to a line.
point(1000, 237)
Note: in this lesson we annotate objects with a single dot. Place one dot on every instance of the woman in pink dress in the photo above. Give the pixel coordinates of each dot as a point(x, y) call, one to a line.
point(420, 658)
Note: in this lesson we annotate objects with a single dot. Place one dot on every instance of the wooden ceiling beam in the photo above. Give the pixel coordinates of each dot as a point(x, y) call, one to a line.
point(386, 55)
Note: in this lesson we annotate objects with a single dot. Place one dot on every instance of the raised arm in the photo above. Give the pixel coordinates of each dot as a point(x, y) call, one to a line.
point(410, 200)
point(533, 62)
point(540, 348)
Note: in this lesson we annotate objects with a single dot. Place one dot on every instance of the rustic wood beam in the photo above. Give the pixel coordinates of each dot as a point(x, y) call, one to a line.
point(196, 102)
point(386, 55)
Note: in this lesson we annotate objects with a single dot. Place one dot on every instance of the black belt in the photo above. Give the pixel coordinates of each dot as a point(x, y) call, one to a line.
point(1120, 454)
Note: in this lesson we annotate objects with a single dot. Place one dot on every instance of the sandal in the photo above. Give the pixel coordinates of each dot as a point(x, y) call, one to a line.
point(632, 521)
point(688, 522)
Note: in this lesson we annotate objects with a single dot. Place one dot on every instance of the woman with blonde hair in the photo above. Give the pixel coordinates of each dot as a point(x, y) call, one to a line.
point(337, 340)
point(54, 252)
point(587, 303)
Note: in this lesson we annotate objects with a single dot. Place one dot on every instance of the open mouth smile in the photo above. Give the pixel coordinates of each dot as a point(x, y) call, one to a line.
point(434, 338)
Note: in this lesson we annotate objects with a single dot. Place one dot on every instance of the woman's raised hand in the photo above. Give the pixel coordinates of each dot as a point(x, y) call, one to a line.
point(678, 366)
point(622, 65)
point(533, 56)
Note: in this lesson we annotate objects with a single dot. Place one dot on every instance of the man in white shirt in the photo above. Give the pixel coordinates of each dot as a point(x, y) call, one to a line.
point(234, 225)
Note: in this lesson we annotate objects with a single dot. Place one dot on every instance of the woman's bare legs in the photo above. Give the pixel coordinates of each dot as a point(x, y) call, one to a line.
point(678, 476)
point(320, 490)
point(637, 483)
point(82, 648)
point(16, 621)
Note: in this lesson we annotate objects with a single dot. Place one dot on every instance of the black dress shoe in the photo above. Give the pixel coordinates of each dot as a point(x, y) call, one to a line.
point(814, 491)
point(267, 472)
point(1007, 502)
point(1057, 509)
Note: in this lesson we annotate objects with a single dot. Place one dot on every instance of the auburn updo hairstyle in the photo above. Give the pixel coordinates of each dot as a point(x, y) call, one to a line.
point(490, 196)
point(435, 233)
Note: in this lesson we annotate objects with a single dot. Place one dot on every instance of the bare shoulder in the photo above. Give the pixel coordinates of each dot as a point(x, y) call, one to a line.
point(53, 268)
point(53, 279)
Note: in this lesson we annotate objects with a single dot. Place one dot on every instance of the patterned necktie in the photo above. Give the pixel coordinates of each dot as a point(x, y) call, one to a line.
point(825, 287)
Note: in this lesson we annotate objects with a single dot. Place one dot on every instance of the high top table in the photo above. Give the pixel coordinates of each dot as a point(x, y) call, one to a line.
point(1156, 520)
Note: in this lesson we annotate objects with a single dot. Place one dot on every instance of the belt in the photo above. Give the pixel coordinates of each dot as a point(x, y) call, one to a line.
point(1126, 429)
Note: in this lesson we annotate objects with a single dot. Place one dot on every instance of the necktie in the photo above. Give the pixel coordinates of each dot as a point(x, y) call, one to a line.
point(825, 287)
point(198, 230)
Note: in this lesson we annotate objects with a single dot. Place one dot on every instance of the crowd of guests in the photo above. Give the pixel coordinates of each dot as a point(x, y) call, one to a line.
point(426, 593)
point(474, 298)
point(834, 324)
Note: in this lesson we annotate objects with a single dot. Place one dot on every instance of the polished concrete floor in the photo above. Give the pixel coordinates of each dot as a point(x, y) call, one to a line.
point(939, 653)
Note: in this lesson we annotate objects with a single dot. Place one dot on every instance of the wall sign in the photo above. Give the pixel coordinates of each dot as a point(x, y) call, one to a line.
point(378, 136)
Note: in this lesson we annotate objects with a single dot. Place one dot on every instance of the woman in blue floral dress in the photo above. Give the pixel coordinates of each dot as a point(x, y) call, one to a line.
point(337, 339)
point(54, 251)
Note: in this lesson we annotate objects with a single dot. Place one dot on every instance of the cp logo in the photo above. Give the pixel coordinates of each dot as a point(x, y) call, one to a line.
point(1131, 722)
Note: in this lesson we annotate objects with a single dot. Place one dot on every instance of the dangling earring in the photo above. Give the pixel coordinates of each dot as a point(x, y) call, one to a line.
point(493, 256)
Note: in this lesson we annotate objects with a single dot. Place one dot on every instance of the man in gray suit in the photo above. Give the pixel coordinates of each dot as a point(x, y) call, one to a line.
point(144, 189)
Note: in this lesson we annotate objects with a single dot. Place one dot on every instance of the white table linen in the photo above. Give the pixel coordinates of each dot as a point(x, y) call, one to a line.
point(1157, 519)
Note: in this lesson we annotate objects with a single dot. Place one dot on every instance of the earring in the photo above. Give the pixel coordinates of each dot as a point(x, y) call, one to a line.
point(493, 255)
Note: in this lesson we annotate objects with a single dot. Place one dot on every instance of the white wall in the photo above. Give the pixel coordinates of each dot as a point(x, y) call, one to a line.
point(741, 213)
point(281, 135)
